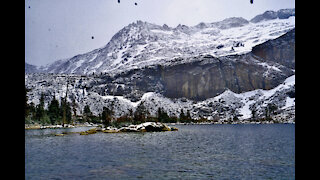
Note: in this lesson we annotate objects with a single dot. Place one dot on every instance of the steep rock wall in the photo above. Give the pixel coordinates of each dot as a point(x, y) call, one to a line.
point(280, 50)
point(201, 80)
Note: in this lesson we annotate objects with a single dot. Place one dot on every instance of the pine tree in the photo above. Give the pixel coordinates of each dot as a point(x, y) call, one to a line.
point(74, 108)
point(140, 114)
point(106, 116)
point(163, 116)
point(182, 116)
point(188, 117)
point(32, 109)
point(254, 113)
point(185, 118)
point(159, 113)
point(54, 111)
point(87, 113)
point(65, 112)
point(68, 112)
point(40, 112)
point(130, 115)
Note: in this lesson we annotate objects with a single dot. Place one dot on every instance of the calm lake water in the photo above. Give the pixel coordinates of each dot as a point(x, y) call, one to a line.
point(194, 152)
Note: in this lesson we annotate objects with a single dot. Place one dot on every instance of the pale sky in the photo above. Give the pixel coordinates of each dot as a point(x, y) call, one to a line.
point(59, 29)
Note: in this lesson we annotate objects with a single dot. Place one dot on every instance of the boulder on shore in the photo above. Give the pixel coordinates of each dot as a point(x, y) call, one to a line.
point(111, 131)
point(90, 131)
point(147, 127)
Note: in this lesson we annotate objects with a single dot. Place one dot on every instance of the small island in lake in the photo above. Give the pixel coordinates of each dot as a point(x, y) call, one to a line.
point(144, 127)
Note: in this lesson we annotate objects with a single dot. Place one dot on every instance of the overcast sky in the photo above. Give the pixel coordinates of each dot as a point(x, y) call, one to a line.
point(59, 29)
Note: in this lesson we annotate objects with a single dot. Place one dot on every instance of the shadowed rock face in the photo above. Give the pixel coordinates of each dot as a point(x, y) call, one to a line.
point(280, 50)
point(212, 76)
point(200, 80)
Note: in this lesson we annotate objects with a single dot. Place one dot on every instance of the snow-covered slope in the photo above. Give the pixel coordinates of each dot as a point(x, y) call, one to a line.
point(142, 44)
point(223, 107)
point(229, 105)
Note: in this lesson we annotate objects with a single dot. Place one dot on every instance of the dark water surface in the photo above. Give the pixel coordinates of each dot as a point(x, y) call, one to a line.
point(194, 152)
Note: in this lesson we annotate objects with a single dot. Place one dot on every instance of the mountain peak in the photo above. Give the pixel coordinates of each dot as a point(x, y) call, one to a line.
point(141, 44)
point(232, 22)
point(269, 15)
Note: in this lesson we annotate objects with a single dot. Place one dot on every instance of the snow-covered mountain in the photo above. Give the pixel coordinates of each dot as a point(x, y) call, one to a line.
point(143, 44)
point(268, 15)
point(232, 69)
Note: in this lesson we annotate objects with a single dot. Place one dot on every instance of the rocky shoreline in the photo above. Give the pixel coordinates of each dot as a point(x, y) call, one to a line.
point(39, 126)
point(131, 127)
point(144, 127)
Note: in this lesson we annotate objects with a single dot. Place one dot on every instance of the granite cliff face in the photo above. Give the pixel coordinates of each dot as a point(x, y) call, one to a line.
point(280, 50)
point(199, 80)
point(212, 76)
point(264, 68)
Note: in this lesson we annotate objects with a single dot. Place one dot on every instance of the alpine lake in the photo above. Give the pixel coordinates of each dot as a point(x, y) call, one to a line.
point(224, 151)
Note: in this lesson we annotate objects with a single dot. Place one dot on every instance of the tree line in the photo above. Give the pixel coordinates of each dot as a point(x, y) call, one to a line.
point(66, 113)
point(55, 113)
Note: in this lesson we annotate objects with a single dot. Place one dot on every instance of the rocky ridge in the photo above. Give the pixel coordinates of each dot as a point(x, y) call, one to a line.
point(143, 44)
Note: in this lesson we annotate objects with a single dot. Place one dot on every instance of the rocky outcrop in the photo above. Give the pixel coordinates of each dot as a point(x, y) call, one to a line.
point(280, 50)
point(199, 80)
point(212, 76)
point(144, 127)
point(269, 15)
point(90, 131)
point(147, 127)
